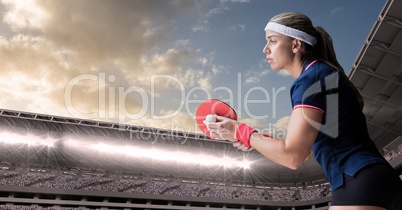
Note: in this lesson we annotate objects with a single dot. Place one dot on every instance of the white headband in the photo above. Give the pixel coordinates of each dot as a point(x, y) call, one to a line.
point(292, 32)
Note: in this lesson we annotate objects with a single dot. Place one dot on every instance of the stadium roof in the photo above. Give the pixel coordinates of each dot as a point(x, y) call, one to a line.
point(377, 72)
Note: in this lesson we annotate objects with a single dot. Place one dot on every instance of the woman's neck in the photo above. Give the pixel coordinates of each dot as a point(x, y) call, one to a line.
point(295, 68)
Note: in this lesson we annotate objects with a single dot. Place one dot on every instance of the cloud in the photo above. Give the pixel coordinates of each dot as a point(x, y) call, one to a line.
point(203, 61)
point(24, 14)
point(251, 80)
point(216, 70)
point(283, 73)
point(238, 27)
point(221, 8)
point(255, 76)
point(279, 129)
point(181, 122)
point(282, 122)
point(236, 1)
point(240, 1)
point(183, 43)
point(217, 10)
point(94, 59)
point(201, 26)
point(336, 10)
point(255, 123)
point(30, 74)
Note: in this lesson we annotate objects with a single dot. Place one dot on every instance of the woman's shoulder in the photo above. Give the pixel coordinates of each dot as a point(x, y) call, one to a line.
point(317, 70)
point(317, 73)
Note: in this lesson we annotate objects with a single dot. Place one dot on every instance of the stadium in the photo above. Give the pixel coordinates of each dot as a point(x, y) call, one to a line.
point(54, 162)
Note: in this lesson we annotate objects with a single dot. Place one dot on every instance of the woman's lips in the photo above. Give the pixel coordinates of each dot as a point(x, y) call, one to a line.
point(269, 60)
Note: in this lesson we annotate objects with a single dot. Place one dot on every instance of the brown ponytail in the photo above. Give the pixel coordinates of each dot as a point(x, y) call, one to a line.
point(324, 51)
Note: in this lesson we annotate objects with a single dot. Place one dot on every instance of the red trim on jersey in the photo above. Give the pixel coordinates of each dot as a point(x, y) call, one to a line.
point(311, 64)
point(308, 106)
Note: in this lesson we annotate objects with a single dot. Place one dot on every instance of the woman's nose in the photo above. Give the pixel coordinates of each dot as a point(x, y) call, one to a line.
point(266, 49)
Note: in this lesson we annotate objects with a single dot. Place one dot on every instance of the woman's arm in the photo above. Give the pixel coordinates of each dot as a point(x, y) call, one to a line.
point(300, 137)
point(291, 152)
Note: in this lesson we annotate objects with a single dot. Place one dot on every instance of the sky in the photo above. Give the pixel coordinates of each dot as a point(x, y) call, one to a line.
point(152, 62)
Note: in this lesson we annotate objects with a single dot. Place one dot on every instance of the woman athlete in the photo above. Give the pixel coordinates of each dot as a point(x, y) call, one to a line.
point(327, 118)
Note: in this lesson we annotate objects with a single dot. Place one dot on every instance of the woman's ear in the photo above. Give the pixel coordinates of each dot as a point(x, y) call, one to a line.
point(296, 45)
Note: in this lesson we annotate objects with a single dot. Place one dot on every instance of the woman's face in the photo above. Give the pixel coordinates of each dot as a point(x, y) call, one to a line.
point(278, 50)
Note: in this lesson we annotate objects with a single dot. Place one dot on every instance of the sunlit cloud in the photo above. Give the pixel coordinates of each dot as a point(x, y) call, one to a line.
point(58, 51)
point(24, 14)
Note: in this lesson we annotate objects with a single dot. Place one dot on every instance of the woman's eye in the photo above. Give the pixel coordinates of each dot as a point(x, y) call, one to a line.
point(271, 41)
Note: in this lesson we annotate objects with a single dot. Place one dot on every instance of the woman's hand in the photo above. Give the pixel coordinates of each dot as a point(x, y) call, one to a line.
point(241, 146)
point(223, 129)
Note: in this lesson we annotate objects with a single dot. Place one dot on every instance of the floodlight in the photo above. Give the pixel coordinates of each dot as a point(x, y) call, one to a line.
point(181, 157)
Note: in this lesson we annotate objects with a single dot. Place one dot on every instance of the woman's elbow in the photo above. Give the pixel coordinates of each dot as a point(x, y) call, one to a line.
point(294, 163)
point(293, 166)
